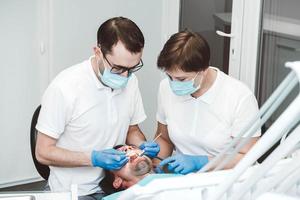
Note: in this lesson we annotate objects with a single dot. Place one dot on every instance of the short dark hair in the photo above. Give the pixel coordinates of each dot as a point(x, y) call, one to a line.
point(120, 29)
point(106, 184)
point(185, 50)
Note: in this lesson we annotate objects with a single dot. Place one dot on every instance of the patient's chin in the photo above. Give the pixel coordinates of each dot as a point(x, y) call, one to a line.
point(142, 167)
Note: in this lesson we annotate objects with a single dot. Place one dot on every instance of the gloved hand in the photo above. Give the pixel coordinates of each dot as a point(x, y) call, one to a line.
point(184, 164)
point(109, 159)
point(151, 149)
point(158, 170)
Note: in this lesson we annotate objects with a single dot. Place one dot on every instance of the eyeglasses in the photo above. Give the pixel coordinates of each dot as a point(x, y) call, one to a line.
point(116, 69)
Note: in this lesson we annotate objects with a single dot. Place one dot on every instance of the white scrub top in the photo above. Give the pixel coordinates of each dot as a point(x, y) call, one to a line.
point(84, 115)
point(205, 125)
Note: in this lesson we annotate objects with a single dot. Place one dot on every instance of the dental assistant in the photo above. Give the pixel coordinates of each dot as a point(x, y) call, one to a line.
point(92, 106)
point(200, 109)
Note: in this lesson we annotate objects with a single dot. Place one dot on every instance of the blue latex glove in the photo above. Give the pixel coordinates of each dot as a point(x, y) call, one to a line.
point(184, 164)
point(151, 149)
point(109, 159)
point(158, 170)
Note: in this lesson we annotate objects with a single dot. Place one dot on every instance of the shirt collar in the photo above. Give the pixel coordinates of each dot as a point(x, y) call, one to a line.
point(210, 94)
point(97, 82)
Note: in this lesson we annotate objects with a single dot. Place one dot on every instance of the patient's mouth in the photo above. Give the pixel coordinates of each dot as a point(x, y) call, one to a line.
point(132, 155)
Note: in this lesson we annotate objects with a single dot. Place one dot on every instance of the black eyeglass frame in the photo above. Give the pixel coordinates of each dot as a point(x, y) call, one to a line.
point(120, 69)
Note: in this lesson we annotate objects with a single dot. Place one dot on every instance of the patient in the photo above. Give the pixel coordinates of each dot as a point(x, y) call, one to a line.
point(139, 169)
point(135, 170)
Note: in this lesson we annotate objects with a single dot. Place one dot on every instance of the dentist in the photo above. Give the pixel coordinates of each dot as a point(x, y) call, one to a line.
point(92, 106)
point(200, 109)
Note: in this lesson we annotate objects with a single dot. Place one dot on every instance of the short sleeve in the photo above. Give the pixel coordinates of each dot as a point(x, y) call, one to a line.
point(245, 112)
point(138, 107)
point(54, 113)
point(160, 114)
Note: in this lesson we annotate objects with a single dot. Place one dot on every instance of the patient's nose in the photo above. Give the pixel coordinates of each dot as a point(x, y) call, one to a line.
point(132, 155)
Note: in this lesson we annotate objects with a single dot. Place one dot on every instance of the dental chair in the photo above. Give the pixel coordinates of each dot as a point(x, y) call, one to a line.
point(278, 174)
point(42, 169)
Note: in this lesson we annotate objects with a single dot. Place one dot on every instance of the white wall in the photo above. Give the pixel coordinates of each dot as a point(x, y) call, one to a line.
point(20, 87)
point(66, 29)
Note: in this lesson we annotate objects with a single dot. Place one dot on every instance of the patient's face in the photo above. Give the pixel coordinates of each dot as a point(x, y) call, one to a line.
point(136, 169)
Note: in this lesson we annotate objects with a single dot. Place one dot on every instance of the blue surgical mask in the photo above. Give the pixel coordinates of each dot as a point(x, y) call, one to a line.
point(114, 81)
point(182, 88)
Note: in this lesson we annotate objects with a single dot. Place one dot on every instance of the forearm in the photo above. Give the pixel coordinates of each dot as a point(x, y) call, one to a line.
point(55, 156)
point(231, 163)
point(236, 159)
point(166, 148)
point(135, 136)
point(49, 154)
point(239, 156)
